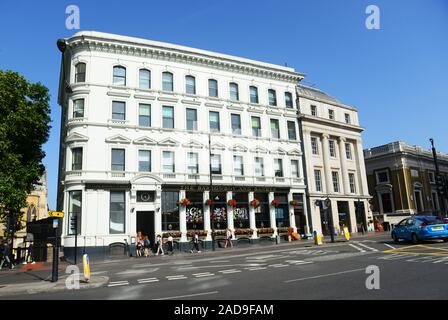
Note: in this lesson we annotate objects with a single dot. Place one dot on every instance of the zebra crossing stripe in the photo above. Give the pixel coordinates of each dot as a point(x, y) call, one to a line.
point(205, 274)
point(230, 271)
point(178, 277)
point(357, 248)
point(118, 283)
point(367, 247)
point(148, 280)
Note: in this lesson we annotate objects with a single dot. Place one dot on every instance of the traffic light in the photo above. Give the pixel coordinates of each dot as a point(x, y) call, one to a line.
point(441, 184)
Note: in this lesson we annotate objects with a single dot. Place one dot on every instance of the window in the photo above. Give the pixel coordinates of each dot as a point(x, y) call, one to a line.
point(431, 177)
point(332, 147)
point(193, 163)
point(118, 110)
point(256, 126)
point(168, 117)
point(288, 100)
point(144, 115)
point(118, 158)
point(238, 167)
point(318, 180)
point(216, 164)
point(348, 151)
point(78, 108)
point(144, 161)
point(382, 176)
point(272, 97)
point(192, 119)
point(119, 76)
point(292, 130)
point(74, 210)
point(278, 167)
point(168, 161)
point(313, 110)
point(351, 179)
point(314, 146)
point(212, 88)
point(386, 202)
point(144, 80)
point(80, 72)
point(331, 114)
point(190, 85)
point(335, 177)
point(77, 159)
point(259, 167)
point(214, 121)
point(347, 118)
point(435, 201)
point(295, 172)
point(253, 94)
point(117, 212)
point(236, 123)
point(275, 131)
point(167, 81)
point(234, 94)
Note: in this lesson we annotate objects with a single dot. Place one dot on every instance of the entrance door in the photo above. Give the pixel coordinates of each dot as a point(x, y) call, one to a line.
point(145, 224)
point(418, 201)
point(344, 215)
point(360, 216)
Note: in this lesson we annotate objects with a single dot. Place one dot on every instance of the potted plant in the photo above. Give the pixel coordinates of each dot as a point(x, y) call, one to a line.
point(255, 203)
point(232, 203)
point(209, 202)
point(295, 203)
point(275, 203)
point(184, 202)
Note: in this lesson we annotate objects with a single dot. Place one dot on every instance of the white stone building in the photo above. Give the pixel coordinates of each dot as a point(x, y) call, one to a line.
point(334, 162)
point(137, 116)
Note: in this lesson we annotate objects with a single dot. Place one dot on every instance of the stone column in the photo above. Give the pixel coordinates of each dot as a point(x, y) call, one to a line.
point(157, 215)
point(230, 224)
point(252, 218)
point(363, 188)
point(308, 228)
point(182, 218)
point(327, 168)
point(272, 213)
point(343, 160)
point(207, 224)
point(292, 218)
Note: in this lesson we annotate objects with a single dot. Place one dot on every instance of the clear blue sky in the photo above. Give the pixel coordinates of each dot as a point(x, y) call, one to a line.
point(396, 76)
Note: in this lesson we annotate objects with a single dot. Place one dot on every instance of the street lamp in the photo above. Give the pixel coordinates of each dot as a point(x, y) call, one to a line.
point(438, 180)
point(329, 214)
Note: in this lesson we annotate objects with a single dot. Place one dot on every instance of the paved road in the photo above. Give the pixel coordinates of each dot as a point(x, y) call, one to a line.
point(334, 271)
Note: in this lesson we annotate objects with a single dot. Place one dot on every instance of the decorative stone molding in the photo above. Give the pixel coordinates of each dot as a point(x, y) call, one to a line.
point(118, 139)
point(76, 137)
point(144, 141)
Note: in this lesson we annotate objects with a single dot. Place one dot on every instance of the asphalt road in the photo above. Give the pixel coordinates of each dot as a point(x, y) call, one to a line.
point(333, 271)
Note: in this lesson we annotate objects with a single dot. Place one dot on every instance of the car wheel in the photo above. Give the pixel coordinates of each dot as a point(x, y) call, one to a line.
point(445, 239)
point(414, 238)
point(395, 238)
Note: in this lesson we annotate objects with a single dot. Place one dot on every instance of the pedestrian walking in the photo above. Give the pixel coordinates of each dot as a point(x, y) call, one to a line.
point(6, 254)
point(30, 254)
point(147, 246)
point(195, 242)
point(228, 238)
point(170, 242)
point(159, 245)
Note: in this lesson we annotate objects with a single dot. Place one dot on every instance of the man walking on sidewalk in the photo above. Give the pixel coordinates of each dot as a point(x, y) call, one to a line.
point(30, 254)
point(6, 253)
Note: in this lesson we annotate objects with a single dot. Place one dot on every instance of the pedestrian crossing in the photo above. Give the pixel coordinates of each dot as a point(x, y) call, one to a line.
point(417, 258)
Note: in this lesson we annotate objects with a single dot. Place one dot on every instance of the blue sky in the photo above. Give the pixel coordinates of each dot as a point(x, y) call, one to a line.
point(396, 76)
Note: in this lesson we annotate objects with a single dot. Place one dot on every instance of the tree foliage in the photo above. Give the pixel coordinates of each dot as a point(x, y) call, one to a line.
point(24, 128)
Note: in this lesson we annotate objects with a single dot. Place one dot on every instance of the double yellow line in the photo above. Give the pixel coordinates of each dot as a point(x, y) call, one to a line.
point(406, 250)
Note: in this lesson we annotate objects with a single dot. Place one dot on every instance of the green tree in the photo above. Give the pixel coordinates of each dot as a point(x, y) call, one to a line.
point(24, 128)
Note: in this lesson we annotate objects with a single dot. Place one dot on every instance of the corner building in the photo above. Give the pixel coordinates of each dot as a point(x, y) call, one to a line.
point(138, 118)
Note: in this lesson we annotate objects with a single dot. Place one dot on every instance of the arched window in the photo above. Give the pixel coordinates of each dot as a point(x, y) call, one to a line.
point(212, 88)
point(31, 213)
point(80, 72)
point(253, 94)
point(272, 97)
point(144, 79)
point(288, 100)
point(190, 85)
point(119, 76)
point(167, 81)
point(234, 94)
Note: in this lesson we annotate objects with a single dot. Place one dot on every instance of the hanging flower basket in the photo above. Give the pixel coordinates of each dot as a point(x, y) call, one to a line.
point(275, 203)
point(232, 203)
point(184, 202)
point(209, 202)
point(295, 203)
point(255, 203)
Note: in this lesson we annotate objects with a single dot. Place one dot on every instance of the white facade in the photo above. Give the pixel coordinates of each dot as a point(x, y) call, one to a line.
point(104, 127)
point(334, 162)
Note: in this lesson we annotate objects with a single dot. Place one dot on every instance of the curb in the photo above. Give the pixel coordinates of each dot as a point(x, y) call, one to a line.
point(48, 287)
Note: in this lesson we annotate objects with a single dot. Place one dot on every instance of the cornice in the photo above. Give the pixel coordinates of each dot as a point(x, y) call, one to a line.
point(181, 55)
point(330, 123)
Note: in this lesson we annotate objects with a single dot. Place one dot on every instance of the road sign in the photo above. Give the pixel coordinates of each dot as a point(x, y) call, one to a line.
point(57, 214)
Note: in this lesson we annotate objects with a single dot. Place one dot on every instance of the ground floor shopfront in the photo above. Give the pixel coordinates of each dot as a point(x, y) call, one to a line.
point(111, 216)
point(347, 212)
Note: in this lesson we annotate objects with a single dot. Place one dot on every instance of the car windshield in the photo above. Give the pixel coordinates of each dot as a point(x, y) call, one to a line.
point(431, 220)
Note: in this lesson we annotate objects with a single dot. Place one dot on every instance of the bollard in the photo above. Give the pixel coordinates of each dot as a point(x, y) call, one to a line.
point(277, 239)
point(317, 238)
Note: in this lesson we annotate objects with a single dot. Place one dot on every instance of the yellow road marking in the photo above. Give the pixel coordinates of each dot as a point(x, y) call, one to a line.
point(421, 253)
point(435, 248)
point(405, 250)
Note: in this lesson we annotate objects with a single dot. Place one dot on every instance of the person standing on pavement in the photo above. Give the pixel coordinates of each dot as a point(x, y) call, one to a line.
point(195, 241)
point(159, 244)
point(30, 254)
point(147, 246)
point(170, 244)
point(228, 238)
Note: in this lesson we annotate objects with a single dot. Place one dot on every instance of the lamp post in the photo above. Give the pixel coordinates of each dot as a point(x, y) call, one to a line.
point(438, 182)
point(329, 214)
point(210, 195)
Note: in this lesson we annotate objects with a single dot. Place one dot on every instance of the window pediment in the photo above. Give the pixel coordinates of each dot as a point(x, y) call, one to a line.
point(118, 139)
point(294, 152)
point(218, 146)
point(193, 144)
point(238, 147)
point(144, 141)
point(259, 149)
point(168, 142)
point(76, 137)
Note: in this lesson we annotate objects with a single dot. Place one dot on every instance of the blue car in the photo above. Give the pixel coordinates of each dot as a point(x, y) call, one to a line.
point(419, 228)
